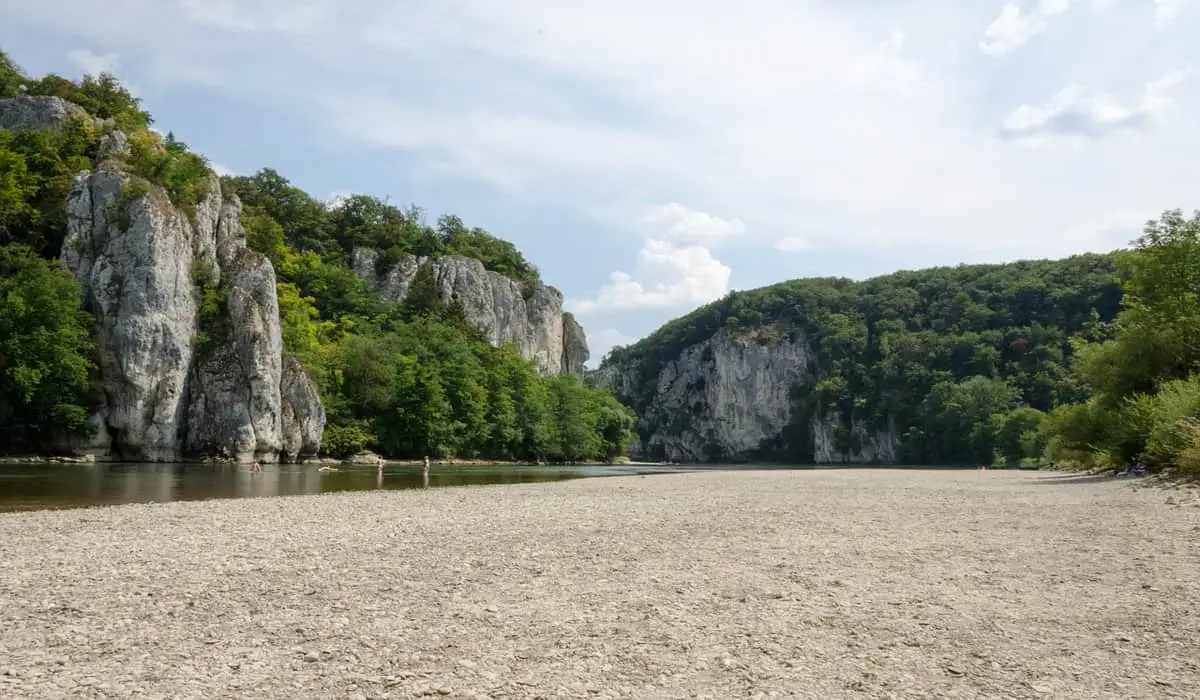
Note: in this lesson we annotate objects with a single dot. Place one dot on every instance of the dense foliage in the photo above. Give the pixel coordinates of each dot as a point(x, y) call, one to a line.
point(964, 360)
point(1144, 384)
point(407, 379)
point(45, 350)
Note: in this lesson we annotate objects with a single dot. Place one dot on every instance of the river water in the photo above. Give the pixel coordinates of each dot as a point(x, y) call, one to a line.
point(41, 486)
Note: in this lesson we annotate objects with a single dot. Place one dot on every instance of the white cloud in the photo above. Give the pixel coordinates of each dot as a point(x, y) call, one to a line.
point(221, 170)
point(684, 225)
point(793, 244)
point(1013, 27)
point(668, 276)
point(1078, 112)
point(94, 63)
point(1167, 11)
point(857, 124)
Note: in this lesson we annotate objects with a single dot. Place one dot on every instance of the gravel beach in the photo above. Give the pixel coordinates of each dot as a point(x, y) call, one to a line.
point(821, 584)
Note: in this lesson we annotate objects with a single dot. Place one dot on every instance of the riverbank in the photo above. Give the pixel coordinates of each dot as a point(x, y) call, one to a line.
point(717, 585)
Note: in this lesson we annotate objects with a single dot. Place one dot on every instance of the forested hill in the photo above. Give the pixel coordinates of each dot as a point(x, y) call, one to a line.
point(407, 378)
point(940, 366)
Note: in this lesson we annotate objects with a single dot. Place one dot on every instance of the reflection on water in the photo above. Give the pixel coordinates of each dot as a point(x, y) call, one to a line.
point(38, 486)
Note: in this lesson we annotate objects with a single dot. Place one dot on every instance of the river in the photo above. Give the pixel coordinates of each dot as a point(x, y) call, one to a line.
point(50, 485)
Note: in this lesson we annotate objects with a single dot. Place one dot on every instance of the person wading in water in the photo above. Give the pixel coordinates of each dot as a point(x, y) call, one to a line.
point(425, 473)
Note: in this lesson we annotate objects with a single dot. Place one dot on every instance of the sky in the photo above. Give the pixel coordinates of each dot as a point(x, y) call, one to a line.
point(649, 156)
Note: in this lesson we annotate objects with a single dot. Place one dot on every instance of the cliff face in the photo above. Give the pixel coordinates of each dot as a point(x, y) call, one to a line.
point(176, 380)
point(575, 347)
point(735, 398)
point(37, 113)
point(532, 318)
point(175, 385)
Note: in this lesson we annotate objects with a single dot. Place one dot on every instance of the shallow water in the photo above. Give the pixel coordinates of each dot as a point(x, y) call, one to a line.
point(41, 486)
point(50, 485)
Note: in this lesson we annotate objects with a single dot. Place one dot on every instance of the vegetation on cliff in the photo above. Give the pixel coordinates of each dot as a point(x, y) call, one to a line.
point(964, 359)
point(1089, 361)
point(407, 379)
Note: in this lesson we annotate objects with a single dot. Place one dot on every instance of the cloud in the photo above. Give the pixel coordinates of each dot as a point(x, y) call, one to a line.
point(1013, 27)
point(221, 170)
point(668, 276)
point(1077, 112)
point(93, 63)
point(685, 225)
point(793, 244)
point(601, 342)
point(1167, 11)
point(857, 124)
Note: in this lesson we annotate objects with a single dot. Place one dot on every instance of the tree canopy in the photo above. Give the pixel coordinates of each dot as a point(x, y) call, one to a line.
point(960, 358)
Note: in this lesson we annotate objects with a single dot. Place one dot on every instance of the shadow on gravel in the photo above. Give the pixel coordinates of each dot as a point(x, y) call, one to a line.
point(1057, 479)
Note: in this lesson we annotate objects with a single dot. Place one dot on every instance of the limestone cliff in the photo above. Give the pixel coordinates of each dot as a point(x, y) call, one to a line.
point(173, 382)
point(531, 318)
point(176, 384)
point(575, 347)
point(735, 397)
point(37, 113)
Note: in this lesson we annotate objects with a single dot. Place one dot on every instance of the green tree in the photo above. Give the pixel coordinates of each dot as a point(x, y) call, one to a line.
point(45, 350)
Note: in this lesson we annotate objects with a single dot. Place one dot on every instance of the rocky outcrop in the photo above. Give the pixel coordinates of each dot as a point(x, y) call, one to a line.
point(575, 347)
point(739, 397)
point(27, 112)
point(178, 380)
point(303, 412)
point(531, 317)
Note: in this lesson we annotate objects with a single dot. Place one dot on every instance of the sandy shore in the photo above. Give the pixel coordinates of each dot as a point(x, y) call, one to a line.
point(716, 585)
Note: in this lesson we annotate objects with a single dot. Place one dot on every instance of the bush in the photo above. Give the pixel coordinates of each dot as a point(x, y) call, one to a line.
point(1170, 418)
point(342, 441)
point(167, 163)
point(1188, 460)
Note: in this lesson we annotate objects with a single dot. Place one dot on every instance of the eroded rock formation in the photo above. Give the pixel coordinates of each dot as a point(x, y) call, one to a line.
point(177, 382)
point(734, 397)
point(530, 316)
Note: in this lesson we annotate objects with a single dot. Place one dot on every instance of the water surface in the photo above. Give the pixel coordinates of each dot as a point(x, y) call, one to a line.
point(50, 485)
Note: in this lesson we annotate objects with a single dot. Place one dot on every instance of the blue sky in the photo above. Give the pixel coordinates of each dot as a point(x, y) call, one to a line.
point(649, 156)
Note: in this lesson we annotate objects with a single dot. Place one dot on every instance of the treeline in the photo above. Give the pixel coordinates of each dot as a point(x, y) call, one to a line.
point(966, 360)
point(1143, 379)
point(406, 379)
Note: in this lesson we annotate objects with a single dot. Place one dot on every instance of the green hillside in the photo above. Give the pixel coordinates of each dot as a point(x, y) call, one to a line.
point(1086, 360)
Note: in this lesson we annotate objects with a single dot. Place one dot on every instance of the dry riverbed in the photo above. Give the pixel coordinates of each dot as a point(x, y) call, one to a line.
point(717, 585)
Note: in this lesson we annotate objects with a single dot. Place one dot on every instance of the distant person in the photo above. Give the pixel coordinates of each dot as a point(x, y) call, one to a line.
point(425, 473)
point(256, 467)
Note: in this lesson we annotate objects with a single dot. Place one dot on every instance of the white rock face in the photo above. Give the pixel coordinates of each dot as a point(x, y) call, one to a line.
point(303, 413)
point(875, 446)
point(575, 347)
point(532, 319)
point(135, 260)
point(731, 398)
point(26, 112)
point(137, 282)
